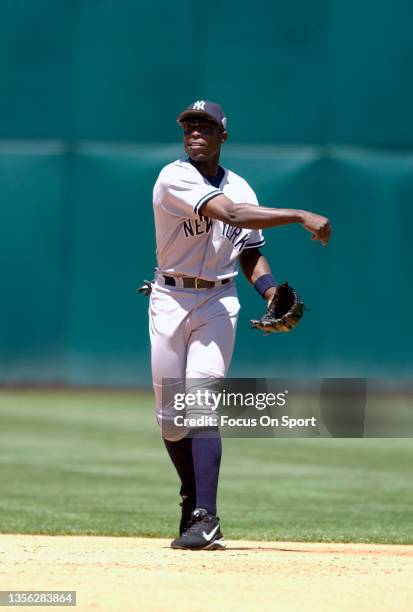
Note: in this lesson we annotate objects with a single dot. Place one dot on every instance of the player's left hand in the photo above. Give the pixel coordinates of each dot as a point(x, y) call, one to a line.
point(318, 225)
point(283, 313)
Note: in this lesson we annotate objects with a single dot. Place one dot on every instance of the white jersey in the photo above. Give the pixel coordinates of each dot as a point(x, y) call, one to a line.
point(189, 244)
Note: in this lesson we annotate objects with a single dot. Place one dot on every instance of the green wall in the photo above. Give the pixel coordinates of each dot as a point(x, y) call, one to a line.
point(319, 98)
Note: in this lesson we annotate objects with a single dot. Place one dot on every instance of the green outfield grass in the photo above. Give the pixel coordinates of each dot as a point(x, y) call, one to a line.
point(93, 463)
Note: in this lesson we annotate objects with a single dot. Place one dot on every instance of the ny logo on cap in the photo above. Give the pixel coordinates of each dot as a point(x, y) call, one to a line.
point(199, 105)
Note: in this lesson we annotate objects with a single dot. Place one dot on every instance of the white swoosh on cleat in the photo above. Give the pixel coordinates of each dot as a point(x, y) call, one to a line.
point(209, 536)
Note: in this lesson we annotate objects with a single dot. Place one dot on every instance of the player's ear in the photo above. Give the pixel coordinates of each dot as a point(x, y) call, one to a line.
point(224, 136)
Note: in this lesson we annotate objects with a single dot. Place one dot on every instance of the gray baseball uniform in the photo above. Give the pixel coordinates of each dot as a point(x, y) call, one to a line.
point(192, 330)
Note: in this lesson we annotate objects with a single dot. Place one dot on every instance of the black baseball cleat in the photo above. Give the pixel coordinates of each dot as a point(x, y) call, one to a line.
point(203, 533)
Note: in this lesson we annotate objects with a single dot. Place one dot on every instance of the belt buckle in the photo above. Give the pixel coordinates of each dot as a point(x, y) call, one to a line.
point(196, 283)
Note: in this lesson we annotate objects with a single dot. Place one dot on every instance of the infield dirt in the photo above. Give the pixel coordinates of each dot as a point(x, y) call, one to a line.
point(128, 574)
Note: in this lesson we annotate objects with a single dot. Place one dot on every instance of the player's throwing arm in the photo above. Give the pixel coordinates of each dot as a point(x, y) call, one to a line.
point(259, 217)
point(285, 308)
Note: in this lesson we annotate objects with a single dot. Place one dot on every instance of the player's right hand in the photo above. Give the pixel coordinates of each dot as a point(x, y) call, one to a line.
point(318, 225)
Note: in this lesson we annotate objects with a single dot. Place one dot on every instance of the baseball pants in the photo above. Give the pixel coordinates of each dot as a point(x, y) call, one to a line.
point(192, 333)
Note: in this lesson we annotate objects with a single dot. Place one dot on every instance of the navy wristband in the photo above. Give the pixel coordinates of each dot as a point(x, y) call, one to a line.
point(264, 282)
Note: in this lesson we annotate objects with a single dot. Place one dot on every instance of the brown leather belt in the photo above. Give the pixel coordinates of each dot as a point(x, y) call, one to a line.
point(190, 282)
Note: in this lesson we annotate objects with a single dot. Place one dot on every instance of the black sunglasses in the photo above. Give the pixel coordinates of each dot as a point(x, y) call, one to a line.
point(207, 128)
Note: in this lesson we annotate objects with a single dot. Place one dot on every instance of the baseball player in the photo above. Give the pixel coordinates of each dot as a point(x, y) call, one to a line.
point(207, 218)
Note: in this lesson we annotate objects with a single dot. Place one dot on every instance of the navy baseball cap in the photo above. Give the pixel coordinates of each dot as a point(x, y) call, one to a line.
point(212, 110)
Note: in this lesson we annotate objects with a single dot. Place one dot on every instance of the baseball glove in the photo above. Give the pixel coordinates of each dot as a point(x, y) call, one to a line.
point(146, 288)
point(284, 311)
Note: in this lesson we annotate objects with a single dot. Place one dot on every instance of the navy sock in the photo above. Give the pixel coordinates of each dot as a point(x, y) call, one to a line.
point(180, 453)
point(206, 453)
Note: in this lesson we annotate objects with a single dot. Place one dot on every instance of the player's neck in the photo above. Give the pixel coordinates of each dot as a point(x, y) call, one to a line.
point(208, 167)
